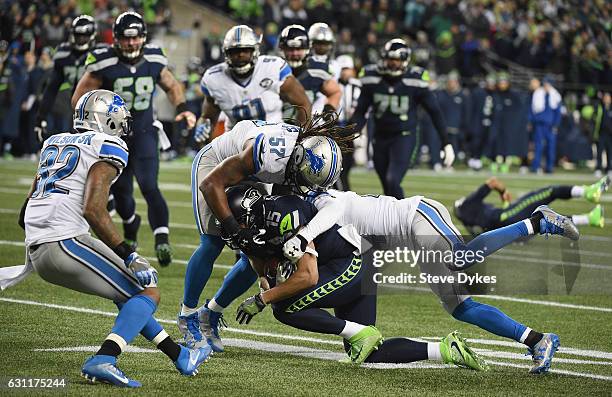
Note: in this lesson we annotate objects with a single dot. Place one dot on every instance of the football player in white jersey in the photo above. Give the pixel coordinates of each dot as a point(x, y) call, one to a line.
point(68, 196)
point(248, 86)
point(277, 153)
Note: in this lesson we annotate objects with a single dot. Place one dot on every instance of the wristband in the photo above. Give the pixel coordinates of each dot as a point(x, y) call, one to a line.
point(230, 225)
point(181, 107)
point(123, 250)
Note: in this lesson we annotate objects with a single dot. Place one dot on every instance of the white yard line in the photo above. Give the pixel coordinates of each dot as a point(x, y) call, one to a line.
point(300, 350)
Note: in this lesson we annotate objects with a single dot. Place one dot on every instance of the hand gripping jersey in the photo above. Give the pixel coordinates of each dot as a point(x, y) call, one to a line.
point(136, 85)
point(55, 209)
point(372, 215)
point(272, 146)
point(257, 98)
point(286, 214)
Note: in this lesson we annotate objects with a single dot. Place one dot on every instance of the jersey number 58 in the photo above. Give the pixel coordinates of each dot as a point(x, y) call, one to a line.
point(136, 93)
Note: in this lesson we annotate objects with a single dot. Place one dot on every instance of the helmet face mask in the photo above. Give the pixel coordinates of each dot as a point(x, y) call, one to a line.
point(241, 49)
point(83, 32)
point(129, 36)
point(295, 45)
point(104, 112)
point(395, 57)
point(322, 38)
point(315, 165)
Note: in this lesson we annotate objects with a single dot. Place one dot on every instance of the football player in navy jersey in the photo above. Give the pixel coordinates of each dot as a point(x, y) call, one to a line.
point(132, 68)
point(314, 75)
point(68, 67)
point(393, 89)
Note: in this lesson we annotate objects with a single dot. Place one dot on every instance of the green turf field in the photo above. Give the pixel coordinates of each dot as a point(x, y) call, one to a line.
point(48, 331)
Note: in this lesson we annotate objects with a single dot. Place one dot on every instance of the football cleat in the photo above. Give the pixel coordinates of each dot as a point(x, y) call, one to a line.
point(596, 216)
point(190, 359)
point(543, 352)
point(364, 343)
point(455, 350)
point(210, 324)
point(593, 192)
point(164, 254)
point(189, 327)
point(104, 369)
point(554, 223)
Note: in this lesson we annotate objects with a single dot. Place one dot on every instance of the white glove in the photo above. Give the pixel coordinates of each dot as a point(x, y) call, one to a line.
point(448, 155)
point(202, 130)
point(295, 248)
point(142, 269)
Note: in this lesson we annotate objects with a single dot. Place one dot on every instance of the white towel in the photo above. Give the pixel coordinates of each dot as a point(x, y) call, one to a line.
point(537, 102)
point(11, 275)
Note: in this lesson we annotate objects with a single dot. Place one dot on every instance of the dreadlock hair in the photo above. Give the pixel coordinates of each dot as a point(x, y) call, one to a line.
point(326, 124)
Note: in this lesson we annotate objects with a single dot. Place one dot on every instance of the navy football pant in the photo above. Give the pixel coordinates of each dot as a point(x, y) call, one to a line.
point(392, 158)
point(345, 286)
point(145, 170)
point(525, 205)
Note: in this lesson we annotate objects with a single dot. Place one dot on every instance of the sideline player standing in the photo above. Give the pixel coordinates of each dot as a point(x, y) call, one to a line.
point(68, 67)
point(69, 196)
point(132, 68)
point(248, 86)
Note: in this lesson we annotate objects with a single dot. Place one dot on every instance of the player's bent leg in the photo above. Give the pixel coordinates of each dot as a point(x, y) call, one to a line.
point(236, 282)
point(199, 268)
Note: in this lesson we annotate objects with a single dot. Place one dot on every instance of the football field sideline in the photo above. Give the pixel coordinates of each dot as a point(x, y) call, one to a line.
point(326, 354)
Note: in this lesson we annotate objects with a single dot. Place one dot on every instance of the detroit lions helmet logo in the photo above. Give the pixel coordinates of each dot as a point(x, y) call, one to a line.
point(315, 161)
point(115, 105)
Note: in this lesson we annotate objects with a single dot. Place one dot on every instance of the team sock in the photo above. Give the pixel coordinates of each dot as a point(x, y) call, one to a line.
point(433, 351)
point(578, 191)
point(533, 338)
point(199, 268)
point(490, 319)
point(580, 219)
point(350, 329)
point(401, 350)
point(214, 306)
point(132, 318)
point(109, 348)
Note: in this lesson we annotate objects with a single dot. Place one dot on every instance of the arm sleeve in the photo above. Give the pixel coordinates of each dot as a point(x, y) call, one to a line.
point(330, 209)
point(53, 85)
point(431, 105)
point(480, 194)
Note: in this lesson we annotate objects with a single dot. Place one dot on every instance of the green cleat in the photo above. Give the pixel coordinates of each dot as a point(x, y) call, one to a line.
point(364, 343)
point(455, 350)
point(164, 254)
point(593, 192)
point(132, 243)
point(596, 216)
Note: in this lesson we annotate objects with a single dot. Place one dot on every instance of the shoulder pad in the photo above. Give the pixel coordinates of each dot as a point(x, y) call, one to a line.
point(113, 150)
point(218, 68)
point(318, 65)
point(319, 73)
point(155, 54)
point(419, 73)
point(355, 81)
point(369, 75)
point(62, 51)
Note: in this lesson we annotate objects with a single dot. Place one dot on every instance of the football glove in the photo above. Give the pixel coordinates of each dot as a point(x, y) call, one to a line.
point(202, 130)
point(249, 308)
point(247, 240)
point(448, 155)
point(142, 269)
point(41, 130)
point(295, 248)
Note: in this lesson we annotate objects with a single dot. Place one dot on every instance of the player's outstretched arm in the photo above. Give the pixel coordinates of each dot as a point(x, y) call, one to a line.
point(231, 171)
point(88, 82)
point(98, 184)
point(176, 96)
point(293, 92)
point(331, 89)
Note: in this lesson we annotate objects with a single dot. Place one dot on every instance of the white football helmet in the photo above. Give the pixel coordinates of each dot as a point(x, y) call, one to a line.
point(241, 36)
point(315, 164)
point(102, 111)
